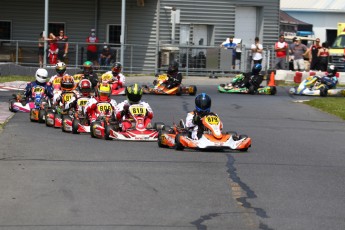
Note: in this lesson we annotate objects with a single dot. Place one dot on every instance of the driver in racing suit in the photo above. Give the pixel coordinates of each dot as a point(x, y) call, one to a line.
point(55, 80)
point(193, 119)
point(246, 79)
point(330, 80)
point(116, 78)
point(90, 75)
point(174, 76)
point(64, 98)
point(41, 78)
point(134, 94)
point(91, 109)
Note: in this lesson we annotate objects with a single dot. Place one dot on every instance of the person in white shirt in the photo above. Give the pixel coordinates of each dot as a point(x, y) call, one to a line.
point(257, 51)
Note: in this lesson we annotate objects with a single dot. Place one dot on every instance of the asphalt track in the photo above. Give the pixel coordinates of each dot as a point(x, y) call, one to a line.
point(291, 178)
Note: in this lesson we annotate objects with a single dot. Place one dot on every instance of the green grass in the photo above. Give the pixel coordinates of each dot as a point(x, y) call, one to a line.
point(332, 105)
point(16, 78)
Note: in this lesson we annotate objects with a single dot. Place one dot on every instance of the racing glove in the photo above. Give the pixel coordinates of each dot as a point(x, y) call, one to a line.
point(196, 119)
point(125, 110)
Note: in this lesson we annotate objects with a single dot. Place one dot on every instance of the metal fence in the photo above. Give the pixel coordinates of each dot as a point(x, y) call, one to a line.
point(193, 60)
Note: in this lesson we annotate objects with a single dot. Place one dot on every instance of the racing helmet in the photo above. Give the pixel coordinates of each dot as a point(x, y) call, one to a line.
point(332, 70)
point(173, 69)
point(60, 68)
point(85, 87)
point(256, 69)
point(134, 93)
point(87, 67)
point(41, 75)
point(104, 91)
point(67, 83)
point(203, 103)
point(116, 68)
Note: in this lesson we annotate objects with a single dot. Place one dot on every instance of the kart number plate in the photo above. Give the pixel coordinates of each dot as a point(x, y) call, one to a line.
point(106, 77)
point(103, 107)
point(138, 110)
point(82, 102)
point(57, 81)
point(38, 90)
point(212, 120)
point(67, 97)
point(162, 77)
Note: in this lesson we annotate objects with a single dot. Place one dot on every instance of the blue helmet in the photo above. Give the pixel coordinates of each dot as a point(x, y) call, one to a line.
point(203, 103)
point(256, 69)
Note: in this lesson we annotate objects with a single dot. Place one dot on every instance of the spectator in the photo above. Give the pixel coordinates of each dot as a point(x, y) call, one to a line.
point(41, 49)
point(105, 56)
point(92, 48)
point(229, 44)
point(298, 50)
point(257, 51)
point(53, 49)
point(62, 42)
point(323, 55)
point(281, 48)
point(313, 55)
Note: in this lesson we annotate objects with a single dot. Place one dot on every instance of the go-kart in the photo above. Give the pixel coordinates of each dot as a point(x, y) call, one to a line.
point(78, 122)
point(234, 87)
point(115, 89)
point(138, 131)
point(55, 116)
point(312, 86)
point(212, 137)
point(159, 87)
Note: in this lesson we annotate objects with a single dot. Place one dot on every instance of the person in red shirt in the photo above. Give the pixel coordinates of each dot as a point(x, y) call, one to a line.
point(281, 48)
point(92, 48)
point(53, 49)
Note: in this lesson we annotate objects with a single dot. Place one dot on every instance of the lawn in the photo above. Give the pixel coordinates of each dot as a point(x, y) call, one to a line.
point(332, 105)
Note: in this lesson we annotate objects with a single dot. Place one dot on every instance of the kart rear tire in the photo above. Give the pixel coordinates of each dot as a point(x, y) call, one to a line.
point(92, 130)
point(11, 107)
point(178, 145)
point(193, 91)
point(159, 140)
point(273, 90)
point(107, 132)
point(158, 126)
point(75, 124)
point(179, 91)
point(251, 90)
point(233, 134)
point(41, 115)
point(323, 91)
point(240, 137)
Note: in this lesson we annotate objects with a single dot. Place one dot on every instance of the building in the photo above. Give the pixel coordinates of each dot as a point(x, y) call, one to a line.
point(154, 29)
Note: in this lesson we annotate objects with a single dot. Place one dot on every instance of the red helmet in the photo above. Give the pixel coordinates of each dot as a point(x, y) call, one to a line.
point(85, 87)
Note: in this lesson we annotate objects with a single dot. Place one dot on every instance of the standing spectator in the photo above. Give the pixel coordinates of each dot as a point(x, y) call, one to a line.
point(298, 50)
point(313, 57)
point(323, 55)
point(229, 44)
point(92, 47)
point(281, 48)
point(62, 41)
point(53, 49)
point(41, 49)
point(105, 56)
point(257, 51)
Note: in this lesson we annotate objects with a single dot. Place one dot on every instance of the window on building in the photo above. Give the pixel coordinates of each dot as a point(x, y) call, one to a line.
point(55, 27)
point(114, 34)
point(5, 30)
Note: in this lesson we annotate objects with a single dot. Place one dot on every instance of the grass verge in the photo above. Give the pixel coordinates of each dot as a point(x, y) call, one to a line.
point(332, 105)
point(16, 78)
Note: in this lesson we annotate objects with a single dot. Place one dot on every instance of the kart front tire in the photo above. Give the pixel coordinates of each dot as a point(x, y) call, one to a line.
point(179, 91)
point(107, 132)
point(158, 126)
point(11, 107)
point(193, 91)
point(159, 140)
point(323, 91)
point(48, 113)
point(273, 90)
point(63, 122)
point(75, 125)
point(41, 115)
point(92, 129)
point(241, 137)
point(251, 90)
point(31, 111)
point(178, 145)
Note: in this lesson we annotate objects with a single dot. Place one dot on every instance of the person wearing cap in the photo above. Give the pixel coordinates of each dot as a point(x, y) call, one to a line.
point(298, 50)
point(92, 50)
point(229, 44)
point(105, 56)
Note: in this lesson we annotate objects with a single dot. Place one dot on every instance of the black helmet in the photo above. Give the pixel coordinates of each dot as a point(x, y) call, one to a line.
point(332, 70)
point(203, 103)
point(134, 93)
point(88, 67)
point(116, 68)
point(173, 69)
point(256, 69)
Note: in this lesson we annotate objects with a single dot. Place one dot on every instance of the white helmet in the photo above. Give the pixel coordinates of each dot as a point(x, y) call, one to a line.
point(41, 75)
point(292, 90)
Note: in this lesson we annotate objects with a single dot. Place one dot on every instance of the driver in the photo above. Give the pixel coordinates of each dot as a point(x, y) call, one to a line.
point(116, 77)
point(63, 99)
point(193, 119)
point(134, 94)
point(174, 76)
point(245, 79)
point(104, 92)
point(90, 75)
point(55, 80)
point(41, 78)
point(330, 80)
